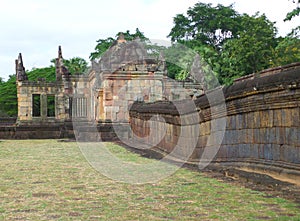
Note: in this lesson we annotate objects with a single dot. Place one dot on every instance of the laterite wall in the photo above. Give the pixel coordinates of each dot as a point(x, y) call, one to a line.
point(261, 122)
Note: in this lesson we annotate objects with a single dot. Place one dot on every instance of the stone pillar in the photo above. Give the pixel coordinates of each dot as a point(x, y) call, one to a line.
point(43, 106)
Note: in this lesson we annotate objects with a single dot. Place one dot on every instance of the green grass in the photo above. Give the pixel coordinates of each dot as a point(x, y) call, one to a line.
point(51, 180)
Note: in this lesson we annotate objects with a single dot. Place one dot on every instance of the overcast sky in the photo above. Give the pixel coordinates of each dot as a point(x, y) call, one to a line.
point(37, 27)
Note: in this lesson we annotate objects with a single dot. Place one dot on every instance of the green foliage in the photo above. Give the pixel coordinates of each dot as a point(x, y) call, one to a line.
point(8, 97)
point(48, 73)
point(232, 44)
point(182, 75)
point(76, 65)
point(295, 12)
point(205, 30)
point(251, 51)
point(51, 105)
point(102, 46)
point(287, 51)
point(179, 60)
point(36, 104)
point(207, 24)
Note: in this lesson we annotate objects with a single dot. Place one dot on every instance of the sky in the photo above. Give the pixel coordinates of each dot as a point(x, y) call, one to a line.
point(36, 28)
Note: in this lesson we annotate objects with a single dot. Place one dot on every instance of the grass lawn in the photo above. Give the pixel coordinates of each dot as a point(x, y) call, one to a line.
point(51, 180)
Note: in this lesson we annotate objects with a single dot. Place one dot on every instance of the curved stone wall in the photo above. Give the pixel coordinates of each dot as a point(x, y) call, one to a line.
point(262, 117)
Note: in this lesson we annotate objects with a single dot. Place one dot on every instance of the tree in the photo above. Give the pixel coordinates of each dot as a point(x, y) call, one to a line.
point(8, 98)
point(48, 73)
point(288, 49)
point(104, 44)
point(251, 51)
point(76, 65)
point(179, 58)
point(205, 29)
point(294, 12)
point(233, 44)
point(101, 47)
point(206, 24)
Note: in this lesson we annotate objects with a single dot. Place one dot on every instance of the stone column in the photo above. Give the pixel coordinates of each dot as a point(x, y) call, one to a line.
point(43, 106)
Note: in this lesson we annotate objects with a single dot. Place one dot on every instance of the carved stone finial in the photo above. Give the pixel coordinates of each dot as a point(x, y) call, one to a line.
point(197, 74)
point(121, 38)
point(59, 64)
point(62, 72)
point(162, 62)
point(20, 70)
point(59, 52)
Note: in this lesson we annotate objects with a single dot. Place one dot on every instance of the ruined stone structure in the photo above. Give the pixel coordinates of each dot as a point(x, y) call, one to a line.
point(76, 96)
point(261, 124)
point(124, 74)
point(42, 102)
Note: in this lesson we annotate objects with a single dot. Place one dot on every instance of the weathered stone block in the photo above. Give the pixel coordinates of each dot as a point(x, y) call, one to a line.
point(287, 118)
point(260, 151)
point(230, 137)
point(231, 122)
point(256, 119)
point(280, 135)
point(295, 115)
point(202, 141)
point(267, 151)
point(239, 121)
point(223, 152)
point(290, 154)
point(241, 136)
point(254, 151)
point(259, 135)
point(233, 151)
point(275, 149)
point(245, 151)
point(270, 136)
point(215, 139)
point(248, 133)
point(266, 118)
point(277, 118)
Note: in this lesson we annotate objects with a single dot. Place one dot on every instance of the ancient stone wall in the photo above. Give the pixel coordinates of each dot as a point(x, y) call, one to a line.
point(120, 90)
point(262, 123)
point(25, 92)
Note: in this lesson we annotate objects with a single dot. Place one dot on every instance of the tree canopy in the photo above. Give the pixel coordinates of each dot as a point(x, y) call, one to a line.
point(206, 24)
point(295, 12)
point(251, 51)
point(233, 44)
point(8, 97)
